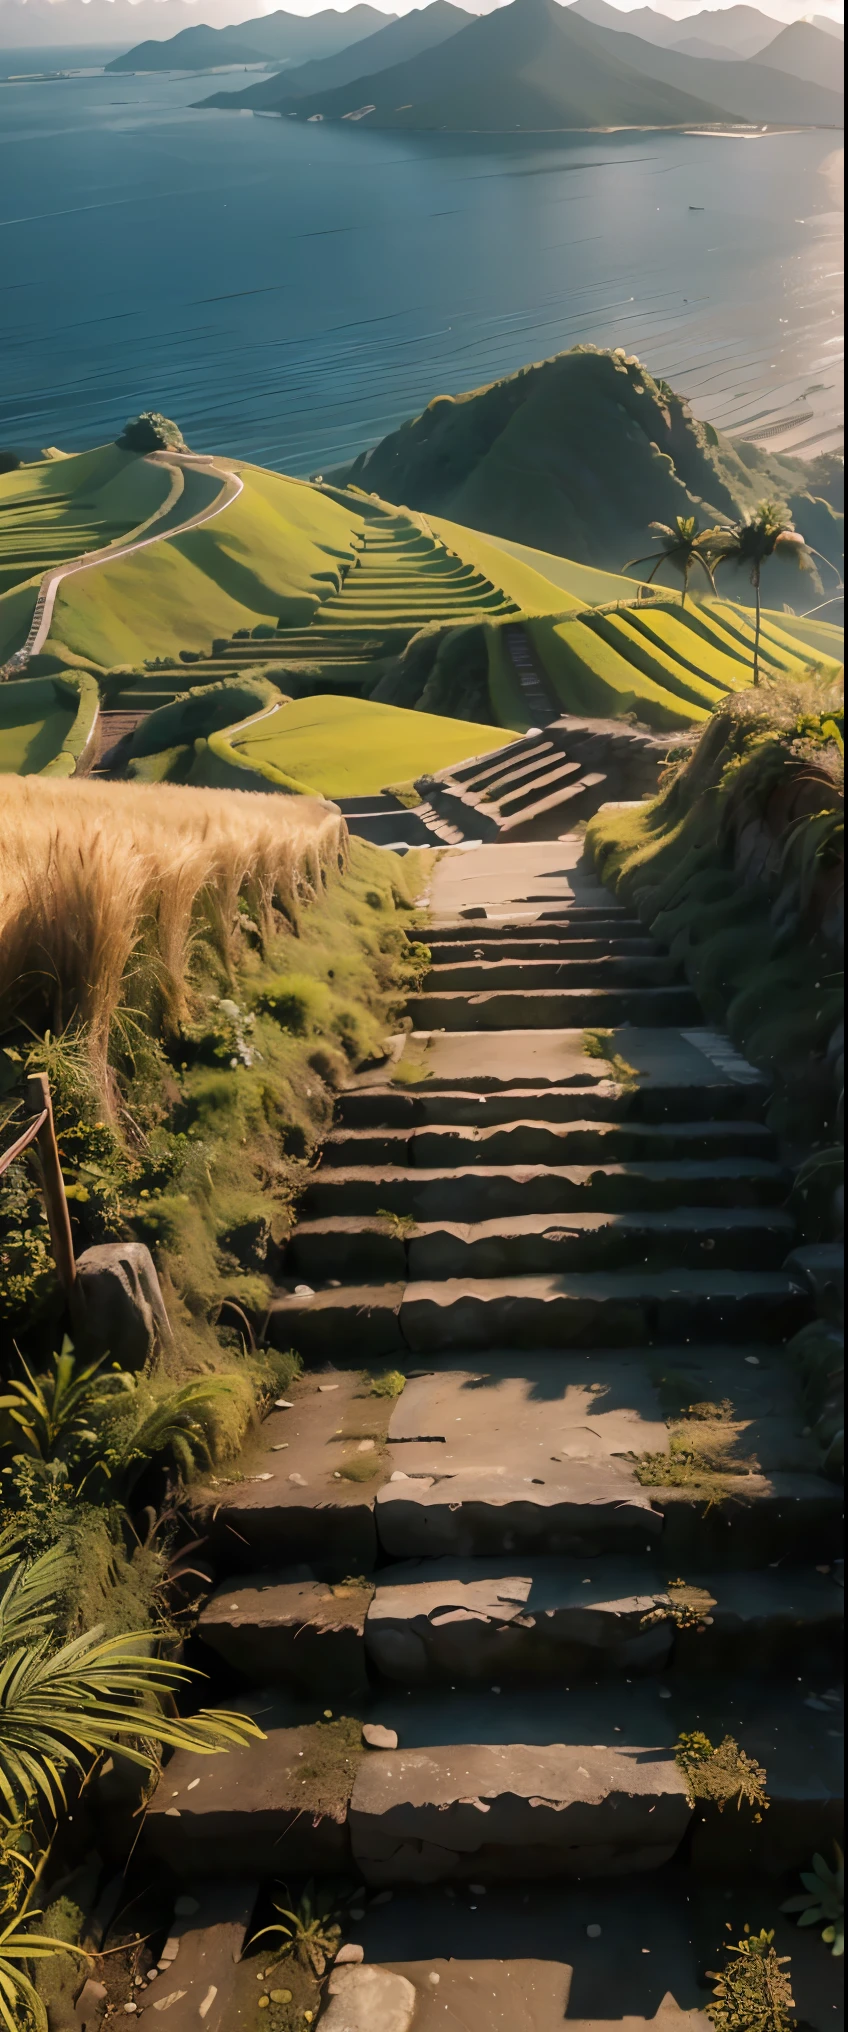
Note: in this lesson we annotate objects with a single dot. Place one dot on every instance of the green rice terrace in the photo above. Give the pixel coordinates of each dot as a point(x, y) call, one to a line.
point(216, 593)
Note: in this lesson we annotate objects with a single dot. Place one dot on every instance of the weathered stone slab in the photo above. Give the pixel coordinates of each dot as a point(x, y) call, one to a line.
point(202, 1976)
point(261, 1810)
point(481, 1621)
point(590, 1509)
point(512, 1810)
point(275, 1631)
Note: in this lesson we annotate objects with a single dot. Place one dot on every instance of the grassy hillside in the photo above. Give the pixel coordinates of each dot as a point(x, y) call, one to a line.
point(577, 454)
point(272, 555)
point(393, 43)
point(350, 747)
point(60, 508)
point(45, 723)
point(529, 65)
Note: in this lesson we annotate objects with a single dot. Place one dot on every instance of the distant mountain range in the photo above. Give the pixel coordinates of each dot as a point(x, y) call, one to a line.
point(399, 39)
point(268, 38)
point(719, 32)
point(537, 66)
point(577, 454)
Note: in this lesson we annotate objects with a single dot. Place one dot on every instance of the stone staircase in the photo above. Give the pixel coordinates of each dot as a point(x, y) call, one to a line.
point(589, 1518)
point(540, 785)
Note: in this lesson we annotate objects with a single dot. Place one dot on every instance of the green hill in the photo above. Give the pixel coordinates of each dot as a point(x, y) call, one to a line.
point(394, 43)
point(576, 456)
point(342, 747)
point(536, 65)
point(271, 38)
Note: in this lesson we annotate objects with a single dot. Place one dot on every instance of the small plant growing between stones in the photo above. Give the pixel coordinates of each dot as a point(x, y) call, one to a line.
point(596, 1044)
point(823, 1898)
point(686, 1607)
point(312, 1935)
point(752, 1992)
point(390, 1385)
point(401, 1225)
point(721, 1773)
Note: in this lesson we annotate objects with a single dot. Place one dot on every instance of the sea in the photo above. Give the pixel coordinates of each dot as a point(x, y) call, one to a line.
point(290, 292)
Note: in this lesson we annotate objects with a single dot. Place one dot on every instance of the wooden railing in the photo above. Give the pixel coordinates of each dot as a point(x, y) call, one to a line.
point(41, 1130)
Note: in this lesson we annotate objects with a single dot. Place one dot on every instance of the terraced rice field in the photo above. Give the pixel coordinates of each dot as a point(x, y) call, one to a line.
point(667, 664)
point(402, 577)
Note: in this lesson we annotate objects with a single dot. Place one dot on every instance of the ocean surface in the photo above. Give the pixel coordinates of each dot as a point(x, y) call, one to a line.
point(289, 292)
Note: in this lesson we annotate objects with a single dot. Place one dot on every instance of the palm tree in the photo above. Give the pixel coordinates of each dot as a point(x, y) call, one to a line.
point(682, 546)
point(749, 545)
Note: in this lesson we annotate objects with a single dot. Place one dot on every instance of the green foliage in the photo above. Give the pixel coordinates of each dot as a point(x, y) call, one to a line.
point(752, 1993)
point(311, 1936)
point(103, 1426)
point(61, 1706)
point(721, 1773)
point(683, 545)
point(151, 432)
point(823, 1898)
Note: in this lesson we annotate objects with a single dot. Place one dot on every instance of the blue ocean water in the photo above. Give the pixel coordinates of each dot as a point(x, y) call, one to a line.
point(289, 292)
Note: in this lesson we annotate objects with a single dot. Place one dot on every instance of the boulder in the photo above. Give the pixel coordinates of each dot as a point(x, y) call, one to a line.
point(124, 1310)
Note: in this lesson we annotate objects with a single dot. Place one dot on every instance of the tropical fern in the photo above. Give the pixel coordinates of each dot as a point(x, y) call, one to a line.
point(17, 1948)
point(94, 1695)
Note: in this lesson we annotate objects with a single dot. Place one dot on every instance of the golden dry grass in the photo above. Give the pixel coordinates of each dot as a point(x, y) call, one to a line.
point(92, 874)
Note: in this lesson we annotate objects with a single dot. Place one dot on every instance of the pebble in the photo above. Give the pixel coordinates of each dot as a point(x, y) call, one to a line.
point(665, 1693)
point(351, 1952)
point(130, 2008)
point(383, 1898)
point(299, 1481)
point(399, 1476)
point(185, 1908)
point(357, 1912)
point(593, 1932)
point(281, 1996)
point(434, 1978)
point(303, 1291)
point(325, 1388)
point(378, 1738)
point(365, 1446)
point(283, 1404)
point(479, 1890)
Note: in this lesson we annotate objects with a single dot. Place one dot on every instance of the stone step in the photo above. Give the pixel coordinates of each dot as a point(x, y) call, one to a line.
point(530, 1452)
point(527, 1141)
point(605, 1309)
point(482, 976)
point(507, 794)
point(290, 1629)
point(578, 1782)
point(450, 952)
point(437, 1102)
point(593, 921)
point(448, 1621)
point(462, 1811)
point(492, 1192)
point(728, 1237)
point(563, 1008)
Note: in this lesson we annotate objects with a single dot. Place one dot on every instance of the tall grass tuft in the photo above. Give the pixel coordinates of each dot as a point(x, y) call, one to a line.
point(90, 872)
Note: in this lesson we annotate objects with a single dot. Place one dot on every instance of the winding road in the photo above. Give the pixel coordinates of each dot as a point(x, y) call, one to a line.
point(179, 464)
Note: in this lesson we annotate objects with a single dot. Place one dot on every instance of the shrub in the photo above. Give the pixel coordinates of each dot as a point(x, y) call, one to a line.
point(151, 432)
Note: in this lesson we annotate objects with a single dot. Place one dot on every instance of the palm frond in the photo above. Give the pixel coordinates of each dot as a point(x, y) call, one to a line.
point(96, 1695)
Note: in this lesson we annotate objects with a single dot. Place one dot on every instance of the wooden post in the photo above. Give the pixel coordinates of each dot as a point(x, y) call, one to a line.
point(59, 1220)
